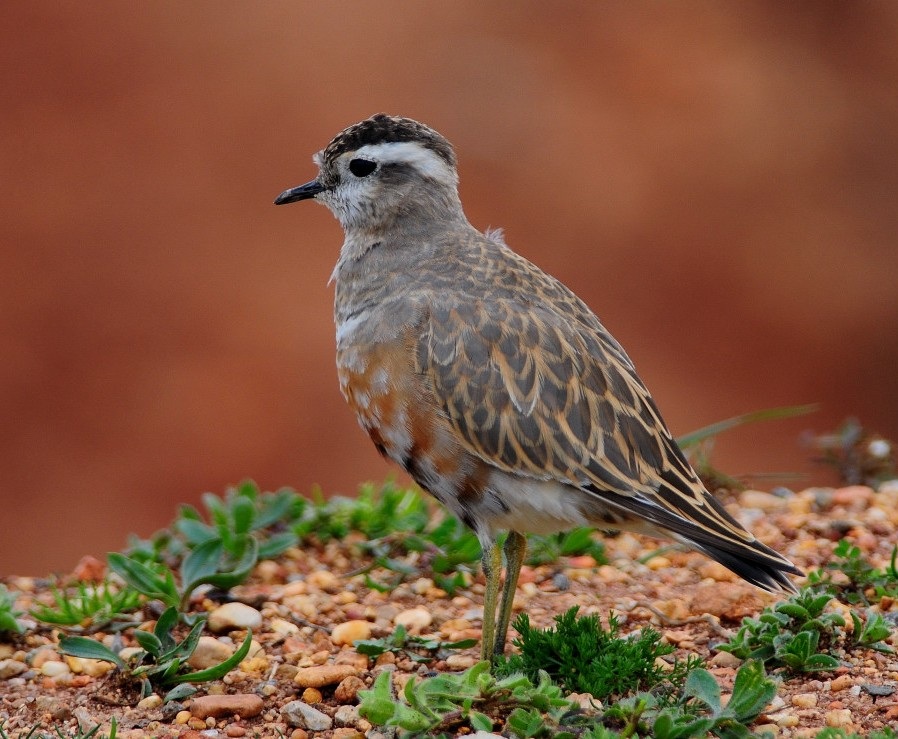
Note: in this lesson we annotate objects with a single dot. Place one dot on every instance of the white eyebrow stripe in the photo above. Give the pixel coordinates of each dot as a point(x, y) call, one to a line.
point(427, 162)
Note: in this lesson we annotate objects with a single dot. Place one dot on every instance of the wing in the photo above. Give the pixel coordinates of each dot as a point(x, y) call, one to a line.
point(535, 392)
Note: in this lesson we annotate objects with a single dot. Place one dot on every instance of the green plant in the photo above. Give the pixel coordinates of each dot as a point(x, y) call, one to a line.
point(89, 606)
point(244, 513)
point(9, 615)
point(78, 733)
point(835, 733)
point(583, 657)
point(858, 455)
point(850, 576)
point(441, 705)
point(160, 662)
point(793, 633)
point(400, 641)
point(206, 564)
point(544, 549)
point(698, 444)
point(697, 710)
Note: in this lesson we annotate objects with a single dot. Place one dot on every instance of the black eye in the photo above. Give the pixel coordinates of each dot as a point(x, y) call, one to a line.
point(362, 167)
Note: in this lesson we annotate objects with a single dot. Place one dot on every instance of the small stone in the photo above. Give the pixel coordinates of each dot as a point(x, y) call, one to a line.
point(351, 657)
point(840, 718)
point(297, 713)
point(312, 695)
point(415, 620)
point(725, 659)
point(245, 705)
point(209, 652)
point(51, 668)
point(460, 661)
point(182, 717)
point(321, 675)
point(89, 569)
point(325, 580)
point(347, 733)
point(784, 719)
point(234, 616)
point(10, 668)
point(150, 702)
point(235, 731)
point(346, 715)
point(760, 500)
point(350, 631)
point(299, 734)
point(283, 627)
point(804, 700)
point(348, 689)
point(85, 666)
point(658, 563)
point(842, 682)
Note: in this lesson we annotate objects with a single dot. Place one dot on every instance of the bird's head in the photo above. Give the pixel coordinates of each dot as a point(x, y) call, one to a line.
point(381, 171)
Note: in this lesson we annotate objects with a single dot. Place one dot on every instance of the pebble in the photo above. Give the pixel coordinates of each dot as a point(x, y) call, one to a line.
point(325, 580)
point(235, 731)
point(182, 717)
point(839, 718)
point(209, 652)
point(804, 700)
point(10, 668)
point(299, 734)
point(234, 616)
point(312, 695)
point(460, 661)
point(725, 659)
point(283, 627)
point(347, 733)
point(321, 675)
point(51, 668)
point(415, 620)
point(297, 713)
point(658, 563)
point(346, 715)
point(784, 719)
point(150, 702)
point(842, 682)
point(348, 689)
point(91, 667)
point(245, 705)
point(350, 631)
point(760, 500)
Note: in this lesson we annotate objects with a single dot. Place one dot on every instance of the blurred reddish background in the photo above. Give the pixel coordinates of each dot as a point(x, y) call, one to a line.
point(719, 181)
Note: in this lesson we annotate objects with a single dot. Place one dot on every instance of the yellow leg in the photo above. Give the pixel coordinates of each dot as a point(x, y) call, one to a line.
point(491, 561)
point(515, 546)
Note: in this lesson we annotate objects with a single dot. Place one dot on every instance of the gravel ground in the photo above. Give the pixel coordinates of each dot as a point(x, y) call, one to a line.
point(306, 608)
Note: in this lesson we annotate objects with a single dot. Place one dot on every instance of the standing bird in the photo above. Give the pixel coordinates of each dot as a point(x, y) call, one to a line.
point(489, 381)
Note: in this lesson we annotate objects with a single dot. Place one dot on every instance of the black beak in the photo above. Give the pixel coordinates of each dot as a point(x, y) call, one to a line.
point(303, 192)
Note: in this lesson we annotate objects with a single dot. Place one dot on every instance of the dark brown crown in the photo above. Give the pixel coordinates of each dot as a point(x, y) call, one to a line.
point(385, 129)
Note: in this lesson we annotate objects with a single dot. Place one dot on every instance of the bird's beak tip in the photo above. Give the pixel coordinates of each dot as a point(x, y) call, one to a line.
point(303, 192)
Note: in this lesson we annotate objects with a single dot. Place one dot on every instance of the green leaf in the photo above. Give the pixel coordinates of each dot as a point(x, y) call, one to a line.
point(148, 642)
point(143, 579)
point(243, 512)
point(219, 671)
point(480, 721)
point(179, 693)
point(378, 704)
point(82, 646)
point(752, 692)
point(768, 414)
point(701, 684)
point(201, 563)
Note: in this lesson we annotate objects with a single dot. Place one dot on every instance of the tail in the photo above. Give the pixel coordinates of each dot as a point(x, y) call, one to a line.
point(701, 522)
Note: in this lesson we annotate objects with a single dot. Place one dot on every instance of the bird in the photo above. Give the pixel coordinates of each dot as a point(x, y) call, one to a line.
point(488, 381)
